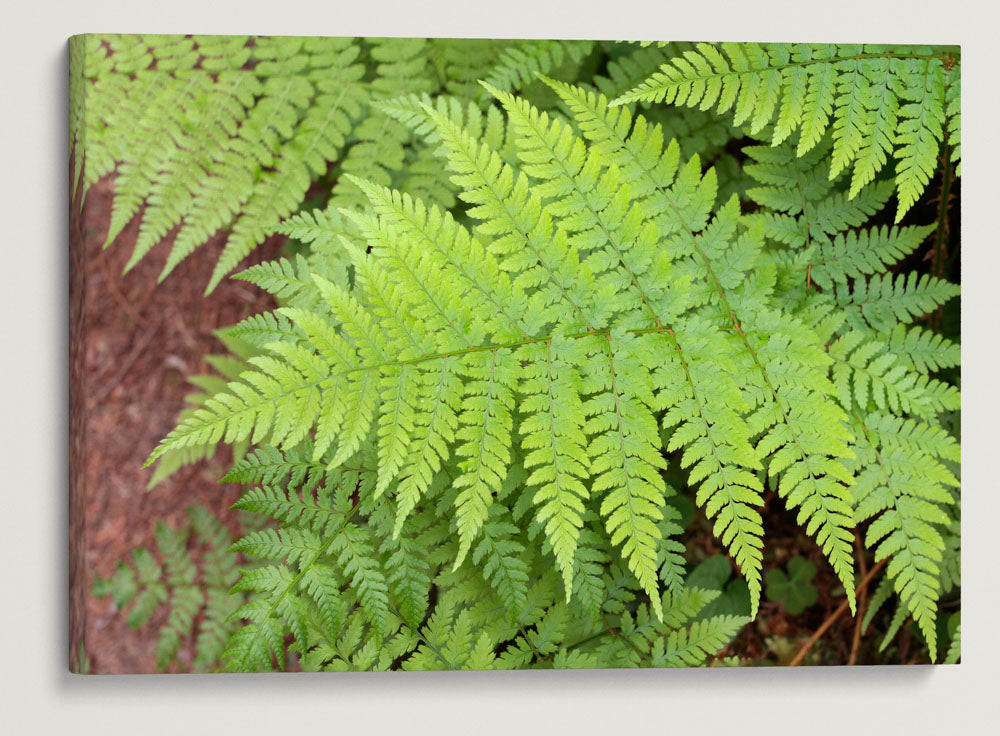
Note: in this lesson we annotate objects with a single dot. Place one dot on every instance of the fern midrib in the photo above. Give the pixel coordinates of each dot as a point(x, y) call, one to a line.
point(615, 631)
point(390, 364)
point(420, 635)
point(319, 553)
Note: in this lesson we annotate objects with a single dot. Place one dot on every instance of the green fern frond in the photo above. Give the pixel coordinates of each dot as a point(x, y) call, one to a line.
point(713, 259)
point(878, 101)
point(905, 491)
point(196, 596)
point(923, 350)
point(865, 253)
point(865, 371)
point(519, 64)
point(619, 390)
point(883, 302)
point(215, 133)
point(955, 648)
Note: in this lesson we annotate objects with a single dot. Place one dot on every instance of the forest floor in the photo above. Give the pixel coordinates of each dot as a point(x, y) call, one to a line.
point(141, 343)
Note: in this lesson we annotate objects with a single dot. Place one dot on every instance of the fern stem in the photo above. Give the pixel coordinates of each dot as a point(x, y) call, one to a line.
point(487, 348)
point(588, 639)
point(610, 630)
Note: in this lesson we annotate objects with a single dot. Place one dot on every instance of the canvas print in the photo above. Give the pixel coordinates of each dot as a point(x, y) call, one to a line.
point(425, 354)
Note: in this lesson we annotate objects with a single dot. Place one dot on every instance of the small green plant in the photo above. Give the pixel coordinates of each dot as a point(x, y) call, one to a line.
point(793, 589)
point(501, 361)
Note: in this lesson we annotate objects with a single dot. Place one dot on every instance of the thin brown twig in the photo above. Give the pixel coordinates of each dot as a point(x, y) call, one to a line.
point(832, 618)
point(859, 551)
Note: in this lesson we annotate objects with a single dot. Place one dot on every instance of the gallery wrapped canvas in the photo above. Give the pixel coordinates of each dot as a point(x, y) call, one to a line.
point(421, 354)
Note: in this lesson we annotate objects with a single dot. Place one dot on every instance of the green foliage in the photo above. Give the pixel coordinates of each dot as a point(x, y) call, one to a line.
point(226, 133)
point(955, 648)
point(227, 368)
point(793, 589)
point(715, 573)
point(877, 102)
point(194, 592)
point(530, 325)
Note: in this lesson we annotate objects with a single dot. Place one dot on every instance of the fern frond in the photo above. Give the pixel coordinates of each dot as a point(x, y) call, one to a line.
point(682, 207)
point(865, 253)
point(226, 133)
point(556, 445)
point(624, 457)
point(519, 64)
point(905, 491)
point(500, 556)
point(955, 648)
point(471, 422)
point(196, 595)
point(866, 371)
point(884, 302)
point(923, 350)
point(484, 434)
point(877, 101)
